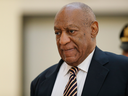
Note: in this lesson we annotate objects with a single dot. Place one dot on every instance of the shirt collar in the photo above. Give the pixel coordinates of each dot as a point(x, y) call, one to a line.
point(83, 66)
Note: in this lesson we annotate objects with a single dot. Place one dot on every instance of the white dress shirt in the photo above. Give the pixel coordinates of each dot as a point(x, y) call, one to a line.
point(63, 77)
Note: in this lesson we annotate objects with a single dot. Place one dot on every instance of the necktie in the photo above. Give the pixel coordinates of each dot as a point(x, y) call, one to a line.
point(71, 87)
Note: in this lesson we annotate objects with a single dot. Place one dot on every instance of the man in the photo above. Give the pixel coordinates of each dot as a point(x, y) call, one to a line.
point(98, 73)
point(124, 40)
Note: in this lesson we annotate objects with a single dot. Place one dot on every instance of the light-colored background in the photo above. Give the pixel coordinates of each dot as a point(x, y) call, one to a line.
point(27, 40)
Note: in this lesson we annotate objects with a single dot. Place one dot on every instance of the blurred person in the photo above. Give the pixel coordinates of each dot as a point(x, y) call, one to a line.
point(84, 69)
point(124, 40)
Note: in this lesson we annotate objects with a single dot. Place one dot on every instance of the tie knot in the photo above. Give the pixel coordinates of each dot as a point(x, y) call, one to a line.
point(73, 70)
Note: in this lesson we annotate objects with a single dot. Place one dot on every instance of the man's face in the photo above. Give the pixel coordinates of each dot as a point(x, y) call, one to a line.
point(73, 36)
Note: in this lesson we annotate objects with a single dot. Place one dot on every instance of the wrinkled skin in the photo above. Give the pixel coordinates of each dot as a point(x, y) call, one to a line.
point(75, 35)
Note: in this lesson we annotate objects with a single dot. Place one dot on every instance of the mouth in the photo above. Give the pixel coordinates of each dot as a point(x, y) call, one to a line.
point(68, 49)
point(69, 52)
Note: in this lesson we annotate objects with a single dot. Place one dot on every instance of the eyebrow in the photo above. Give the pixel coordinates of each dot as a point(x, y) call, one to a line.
point(55, 28)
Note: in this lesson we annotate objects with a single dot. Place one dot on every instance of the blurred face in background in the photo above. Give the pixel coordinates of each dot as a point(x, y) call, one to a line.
point(125, 53)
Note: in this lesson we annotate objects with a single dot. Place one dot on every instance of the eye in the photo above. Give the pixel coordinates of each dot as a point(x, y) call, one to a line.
point(57, 33)
point(71, 31)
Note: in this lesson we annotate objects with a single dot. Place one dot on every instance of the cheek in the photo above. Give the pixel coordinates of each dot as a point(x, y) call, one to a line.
point(57, 42)
point(58, 46)
point(82, 45)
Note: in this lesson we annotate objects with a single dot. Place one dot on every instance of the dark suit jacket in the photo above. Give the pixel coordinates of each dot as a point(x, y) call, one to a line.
point(107, 76)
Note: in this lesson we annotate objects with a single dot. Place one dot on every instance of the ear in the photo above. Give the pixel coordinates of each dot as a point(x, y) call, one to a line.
point(95, 29)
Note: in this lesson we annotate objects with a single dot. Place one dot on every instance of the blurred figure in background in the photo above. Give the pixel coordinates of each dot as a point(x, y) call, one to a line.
point(124, 40)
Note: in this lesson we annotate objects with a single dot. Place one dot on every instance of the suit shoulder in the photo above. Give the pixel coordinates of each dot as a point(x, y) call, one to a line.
point(43, 74)
point(46, 73)
point(117, 57)
point(117, 61)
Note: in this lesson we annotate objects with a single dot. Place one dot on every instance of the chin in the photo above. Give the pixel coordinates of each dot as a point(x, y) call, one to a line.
point(71, 62)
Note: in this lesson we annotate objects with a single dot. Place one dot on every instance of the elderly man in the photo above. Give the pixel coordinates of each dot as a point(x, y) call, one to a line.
point(84, 69)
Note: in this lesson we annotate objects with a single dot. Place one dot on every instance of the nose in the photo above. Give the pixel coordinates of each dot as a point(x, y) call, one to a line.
point(64, 38)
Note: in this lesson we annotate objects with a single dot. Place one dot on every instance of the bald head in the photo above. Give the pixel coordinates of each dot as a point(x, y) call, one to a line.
point(85, 9)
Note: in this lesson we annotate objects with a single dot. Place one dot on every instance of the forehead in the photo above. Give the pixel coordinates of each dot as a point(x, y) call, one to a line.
point(70, 16)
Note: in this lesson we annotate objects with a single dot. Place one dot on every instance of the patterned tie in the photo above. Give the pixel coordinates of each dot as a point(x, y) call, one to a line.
point(71, 87)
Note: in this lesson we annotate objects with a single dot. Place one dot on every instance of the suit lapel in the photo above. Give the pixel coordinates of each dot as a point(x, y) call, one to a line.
point(46, 85)
point(96, 74)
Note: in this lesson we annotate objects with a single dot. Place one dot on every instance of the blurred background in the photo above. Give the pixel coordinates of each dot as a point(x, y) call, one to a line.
point(27, 40)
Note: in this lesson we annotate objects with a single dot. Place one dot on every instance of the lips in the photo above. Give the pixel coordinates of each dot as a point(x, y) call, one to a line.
point(68, 49)
point(68, 52)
